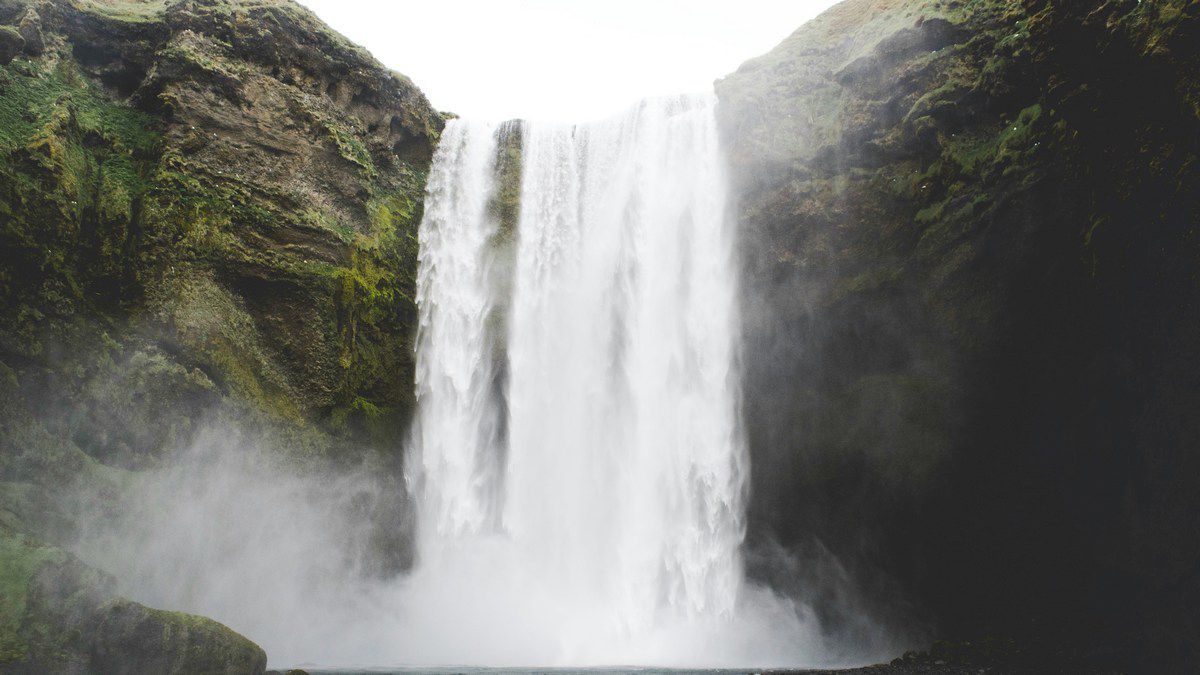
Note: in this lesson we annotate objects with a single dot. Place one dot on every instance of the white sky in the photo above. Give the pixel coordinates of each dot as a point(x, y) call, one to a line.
point(562, 59)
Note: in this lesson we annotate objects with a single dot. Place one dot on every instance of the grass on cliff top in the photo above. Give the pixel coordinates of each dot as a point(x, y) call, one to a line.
point(151, 10)
point(854, 28)
point(126, 10)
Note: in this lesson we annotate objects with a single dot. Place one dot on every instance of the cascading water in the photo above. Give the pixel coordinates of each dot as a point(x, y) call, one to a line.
point(625, 476)
point(453, 457)
point(590, 511)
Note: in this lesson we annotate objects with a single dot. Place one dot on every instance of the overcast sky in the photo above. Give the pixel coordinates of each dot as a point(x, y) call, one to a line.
point(562, 59)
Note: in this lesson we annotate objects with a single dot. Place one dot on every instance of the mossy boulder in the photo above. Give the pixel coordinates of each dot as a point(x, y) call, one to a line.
point(131, 639)
point(58, 615)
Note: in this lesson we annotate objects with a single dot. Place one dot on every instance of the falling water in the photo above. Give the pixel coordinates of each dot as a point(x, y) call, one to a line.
point(625, 474)
point(454, 456)
point(590, 510)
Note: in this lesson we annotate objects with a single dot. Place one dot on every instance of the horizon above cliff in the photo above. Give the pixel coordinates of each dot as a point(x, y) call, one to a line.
point(563, 60)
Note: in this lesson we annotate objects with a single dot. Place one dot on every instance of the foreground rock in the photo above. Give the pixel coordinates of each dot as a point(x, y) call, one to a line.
point(58, 615)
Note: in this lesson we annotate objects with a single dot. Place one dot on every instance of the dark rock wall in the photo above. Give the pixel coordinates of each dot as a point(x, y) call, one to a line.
point(969, 234)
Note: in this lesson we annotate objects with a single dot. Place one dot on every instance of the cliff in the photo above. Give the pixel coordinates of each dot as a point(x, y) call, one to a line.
point(969, 239)
point(208, 216)
point(229, 192)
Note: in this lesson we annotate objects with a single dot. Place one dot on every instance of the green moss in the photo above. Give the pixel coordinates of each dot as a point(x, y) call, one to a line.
point(20, 560)
point(106, 211)
point(190, 53)
point(12, 36)
point(949, 193)
point(36, 94)
point(351, 149)
point(78, 622)
point(365, 418)
point(326, 220)
point(198, 212)
point(393, 244)
point(114, 202)
point(976, 154)
point(931, 213)
point(376, 300)
point(155, 640)
point(72, 166)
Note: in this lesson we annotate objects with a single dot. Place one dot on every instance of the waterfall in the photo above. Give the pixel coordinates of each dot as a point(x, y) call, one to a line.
point(626, 465)
point(586, 507)
point(453, 459)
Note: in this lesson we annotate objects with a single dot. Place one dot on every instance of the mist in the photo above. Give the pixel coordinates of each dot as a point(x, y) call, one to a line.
point(285, 555)
point(233, 530)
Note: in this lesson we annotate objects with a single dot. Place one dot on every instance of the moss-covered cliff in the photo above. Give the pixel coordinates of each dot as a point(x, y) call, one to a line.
point(227, 192)
point(208, 214)
point(969, 229)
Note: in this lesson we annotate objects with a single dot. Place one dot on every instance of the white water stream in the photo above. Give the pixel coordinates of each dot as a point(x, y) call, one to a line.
point(578, 461)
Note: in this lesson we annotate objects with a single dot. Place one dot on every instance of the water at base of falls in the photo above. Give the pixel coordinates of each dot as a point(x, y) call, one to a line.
point(577, 459)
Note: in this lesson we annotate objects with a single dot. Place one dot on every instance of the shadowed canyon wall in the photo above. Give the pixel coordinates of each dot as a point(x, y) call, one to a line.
point(969, 235)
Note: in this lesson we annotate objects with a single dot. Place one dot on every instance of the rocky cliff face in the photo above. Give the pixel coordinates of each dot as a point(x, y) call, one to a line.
point(969, 232)
point(230, 191)
point(208, 216)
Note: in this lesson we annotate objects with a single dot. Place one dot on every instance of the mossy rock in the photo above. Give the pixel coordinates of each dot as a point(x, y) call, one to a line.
point(133, 639)
point(58, 615)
